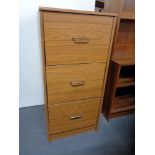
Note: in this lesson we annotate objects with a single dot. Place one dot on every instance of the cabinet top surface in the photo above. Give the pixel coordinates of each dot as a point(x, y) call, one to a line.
point(50, 9)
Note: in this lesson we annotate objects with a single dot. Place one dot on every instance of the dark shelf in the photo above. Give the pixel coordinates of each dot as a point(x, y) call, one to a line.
point(123, 103)
point(124, 58)
point(127, 71)
point(123, 82)
point(123, 91)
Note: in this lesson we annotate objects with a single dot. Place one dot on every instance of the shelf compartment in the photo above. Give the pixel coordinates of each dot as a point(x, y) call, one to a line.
point(123, 91)
point(125, 41)
point(127, 71)
point(123, 104)
point(123, 82)
point(127, 15)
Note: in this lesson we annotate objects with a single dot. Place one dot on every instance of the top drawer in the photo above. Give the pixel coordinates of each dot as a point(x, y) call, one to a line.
point(76, 38)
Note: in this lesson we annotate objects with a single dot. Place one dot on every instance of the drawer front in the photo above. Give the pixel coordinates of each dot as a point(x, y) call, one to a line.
point(74, 82)
point(72, 38)
point(73, 115)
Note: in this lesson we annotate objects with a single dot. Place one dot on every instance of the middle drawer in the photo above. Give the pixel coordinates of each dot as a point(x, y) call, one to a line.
point(74, 82)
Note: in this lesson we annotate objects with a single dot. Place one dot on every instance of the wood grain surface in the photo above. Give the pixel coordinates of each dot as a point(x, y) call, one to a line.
point(60, 29)
point(59, 80)
point(84, 111)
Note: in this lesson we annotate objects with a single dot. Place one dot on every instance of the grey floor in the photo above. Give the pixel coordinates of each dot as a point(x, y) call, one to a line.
point(113, 138)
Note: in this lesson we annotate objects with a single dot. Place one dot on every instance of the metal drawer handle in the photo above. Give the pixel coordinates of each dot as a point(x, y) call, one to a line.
point(77, 83)
point(75, 117)
point(80, 40)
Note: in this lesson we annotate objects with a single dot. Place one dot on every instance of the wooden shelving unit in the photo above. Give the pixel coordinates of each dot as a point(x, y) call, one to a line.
point(120, 88)
point(119, 97)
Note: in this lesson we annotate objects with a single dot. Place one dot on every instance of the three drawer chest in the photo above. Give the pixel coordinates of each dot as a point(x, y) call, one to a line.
point(76, 48)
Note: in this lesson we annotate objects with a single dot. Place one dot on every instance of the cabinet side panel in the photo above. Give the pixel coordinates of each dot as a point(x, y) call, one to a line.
point(43, 66)
point(107, 94)
point(106, 70)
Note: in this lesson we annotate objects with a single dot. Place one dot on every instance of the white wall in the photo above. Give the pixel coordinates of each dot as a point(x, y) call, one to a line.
point(30, 73)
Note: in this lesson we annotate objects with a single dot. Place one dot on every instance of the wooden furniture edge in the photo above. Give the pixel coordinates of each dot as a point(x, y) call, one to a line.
point(106, 71)
point(117, 27)
point(109, 90)
point(44, 68)
point(70, 133)
point(121, 113)
point(124, 62)
point(113, 90)
point(76, 11)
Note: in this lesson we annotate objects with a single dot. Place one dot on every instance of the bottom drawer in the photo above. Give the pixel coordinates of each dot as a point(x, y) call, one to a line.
point(70, 133)
point(73, 115)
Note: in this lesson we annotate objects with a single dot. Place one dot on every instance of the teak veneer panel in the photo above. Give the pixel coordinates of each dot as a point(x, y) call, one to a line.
point(65, 92)
point(76, 47)
point(59, 115)
point(93, 71)
point(61, 90)
point(60, 29)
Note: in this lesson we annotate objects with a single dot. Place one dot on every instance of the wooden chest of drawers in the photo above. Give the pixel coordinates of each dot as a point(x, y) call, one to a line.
point(76, 47)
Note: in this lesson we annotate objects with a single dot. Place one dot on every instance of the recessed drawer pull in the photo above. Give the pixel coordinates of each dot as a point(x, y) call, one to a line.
point(77, 83)
point(75, 117)
point(80, 40)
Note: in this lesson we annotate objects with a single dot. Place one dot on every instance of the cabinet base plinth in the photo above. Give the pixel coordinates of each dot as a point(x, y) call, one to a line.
point(52, 137)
